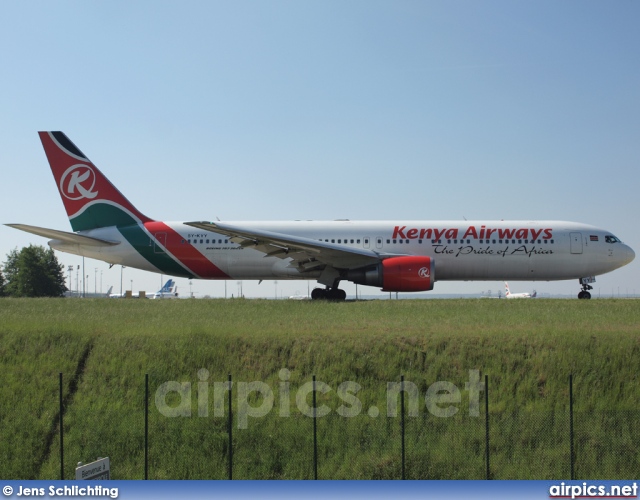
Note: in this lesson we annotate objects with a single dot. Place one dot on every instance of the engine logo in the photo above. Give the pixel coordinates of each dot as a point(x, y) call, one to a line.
point(424, 272)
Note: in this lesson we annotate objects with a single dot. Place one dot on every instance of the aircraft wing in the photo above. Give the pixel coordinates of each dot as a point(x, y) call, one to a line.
point(306, 253)
point(64, 236)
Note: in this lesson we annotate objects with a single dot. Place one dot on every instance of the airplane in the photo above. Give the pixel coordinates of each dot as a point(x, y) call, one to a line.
point(395, 256)
point(522, 295)
point(124, 295)
point(168, 291)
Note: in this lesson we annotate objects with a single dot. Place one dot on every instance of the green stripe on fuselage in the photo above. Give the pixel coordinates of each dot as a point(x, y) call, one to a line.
point(147, 247)
point(106, 215)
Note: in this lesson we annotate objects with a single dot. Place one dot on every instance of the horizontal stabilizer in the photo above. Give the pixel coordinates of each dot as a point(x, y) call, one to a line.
point(64, 236)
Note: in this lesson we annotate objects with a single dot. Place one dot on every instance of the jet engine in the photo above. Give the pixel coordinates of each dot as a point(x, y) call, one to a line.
point(397, 274)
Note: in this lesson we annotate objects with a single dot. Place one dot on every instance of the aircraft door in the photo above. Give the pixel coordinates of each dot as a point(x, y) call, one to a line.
point(379, 242)
point(576, 242)
point(162, 239)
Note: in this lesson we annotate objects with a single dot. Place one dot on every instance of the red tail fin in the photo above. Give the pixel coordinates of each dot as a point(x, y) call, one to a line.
point(91, 201)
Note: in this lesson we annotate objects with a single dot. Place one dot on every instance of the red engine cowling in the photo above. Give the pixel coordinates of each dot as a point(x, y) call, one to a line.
point(407, 274)
point(398, 274)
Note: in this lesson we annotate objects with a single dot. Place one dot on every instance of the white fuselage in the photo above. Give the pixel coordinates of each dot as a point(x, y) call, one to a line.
point(467, 250)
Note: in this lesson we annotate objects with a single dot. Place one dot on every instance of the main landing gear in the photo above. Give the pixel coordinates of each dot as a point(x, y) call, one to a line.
point(334, 294)
point(584, 293)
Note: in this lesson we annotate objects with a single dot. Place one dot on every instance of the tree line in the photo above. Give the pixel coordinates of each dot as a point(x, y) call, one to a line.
point(32, 272)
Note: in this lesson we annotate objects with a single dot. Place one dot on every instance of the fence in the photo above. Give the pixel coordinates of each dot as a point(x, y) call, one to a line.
point(497, 444)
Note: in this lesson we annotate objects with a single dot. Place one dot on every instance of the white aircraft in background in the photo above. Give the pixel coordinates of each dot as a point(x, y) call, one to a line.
point(522, 295)
point(168, 291)
point(123, 295)
point(396, 256)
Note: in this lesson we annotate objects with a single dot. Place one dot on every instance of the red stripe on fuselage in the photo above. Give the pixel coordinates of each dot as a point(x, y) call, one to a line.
point(185, 252)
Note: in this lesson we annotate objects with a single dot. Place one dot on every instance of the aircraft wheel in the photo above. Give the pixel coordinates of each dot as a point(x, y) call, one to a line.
point(581, 295)
point(586, 295)
point(318, 294)
point(336, 294)
point(340, 295)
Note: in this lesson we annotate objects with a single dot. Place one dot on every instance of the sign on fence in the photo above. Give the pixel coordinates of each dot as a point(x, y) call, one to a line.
point(100, 469)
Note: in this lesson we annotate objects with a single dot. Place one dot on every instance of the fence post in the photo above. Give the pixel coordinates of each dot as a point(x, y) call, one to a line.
point(60, 423)
point(315, 431)
point(230, 431)
point(402, 422)
point(146, 426)
point(571, 448)
point(486, 425)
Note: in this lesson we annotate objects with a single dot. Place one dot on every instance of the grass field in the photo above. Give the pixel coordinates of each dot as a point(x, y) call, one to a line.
point(527, 348)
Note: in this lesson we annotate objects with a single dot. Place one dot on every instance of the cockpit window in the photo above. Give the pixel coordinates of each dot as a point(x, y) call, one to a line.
point(611, 239)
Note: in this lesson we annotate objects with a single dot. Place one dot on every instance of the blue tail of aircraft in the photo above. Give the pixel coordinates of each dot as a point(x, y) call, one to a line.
point(168, 291)
point(167, 287)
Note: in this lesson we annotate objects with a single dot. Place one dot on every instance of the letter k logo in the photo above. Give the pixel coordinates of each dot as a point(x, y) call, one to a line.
point(79, 184)
point(75, 184)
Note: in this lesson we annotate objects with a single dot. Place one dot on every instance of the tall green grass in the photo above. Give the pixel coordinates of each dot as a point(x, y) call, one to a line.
point(527, 348)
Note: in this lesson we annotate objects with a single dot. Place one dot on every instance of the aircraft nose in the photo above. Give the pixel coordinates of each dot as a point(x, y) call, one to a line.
point(629, 254)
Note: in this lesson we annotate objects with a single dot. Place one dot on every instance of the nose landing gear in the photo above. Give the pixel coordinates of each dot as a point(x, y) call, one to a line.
point(584, 293)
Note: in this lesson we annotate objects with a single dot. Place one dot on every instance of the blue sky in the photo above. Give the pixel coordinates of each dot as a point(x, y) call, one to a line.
point(287, 110)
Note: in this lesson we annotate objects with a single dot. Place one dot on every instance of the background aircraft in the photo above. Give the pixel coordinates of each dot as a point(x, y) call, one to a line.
point(522, 295)
point(400, 256)
point(168, 291)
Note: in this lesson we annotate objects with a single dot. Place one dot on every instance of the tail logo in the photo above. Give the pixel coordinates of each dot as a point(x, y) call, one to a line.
point(78, 182)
